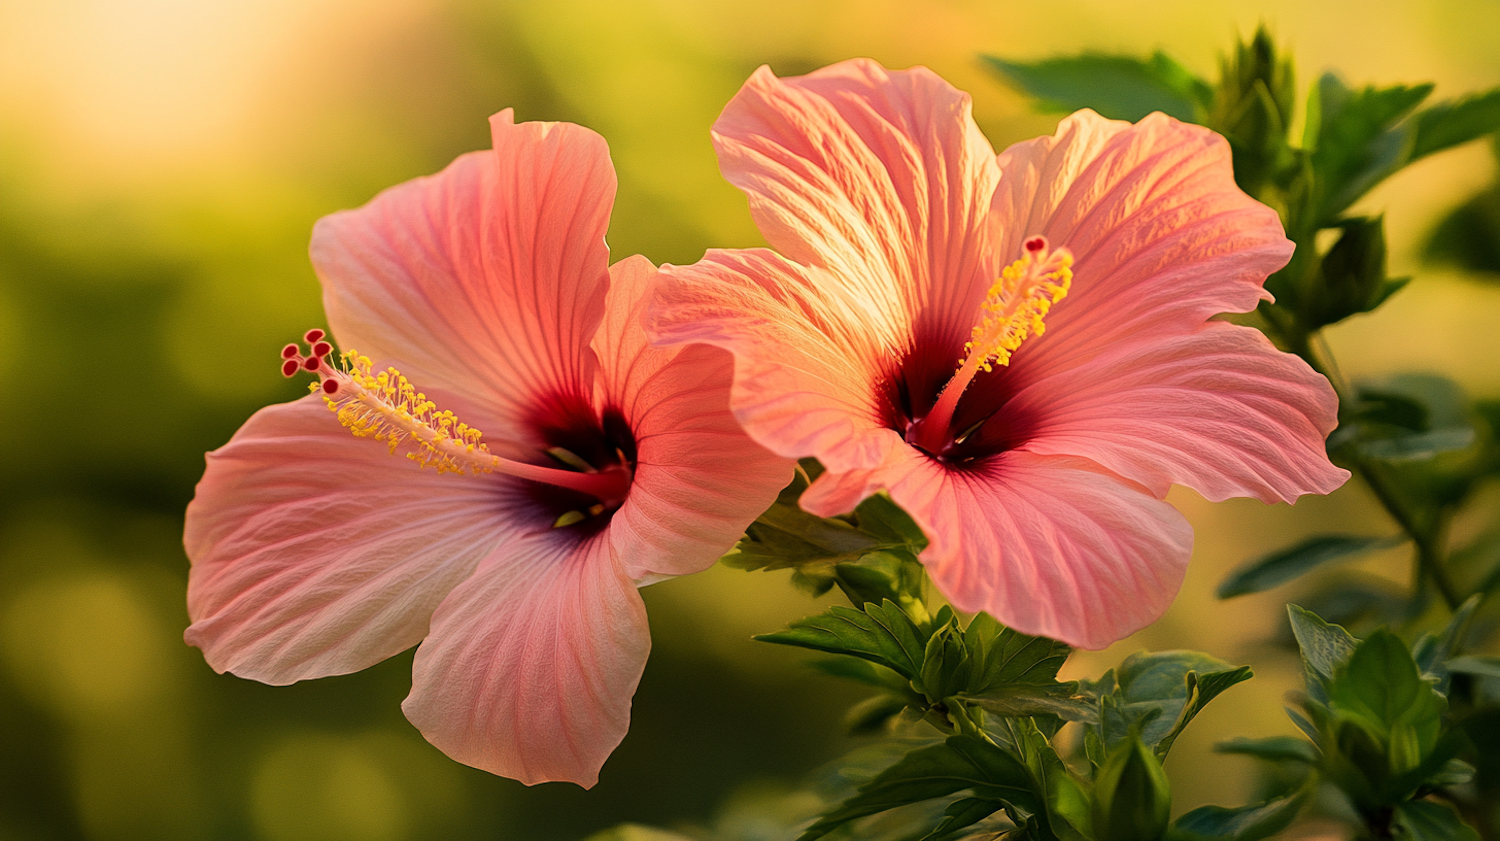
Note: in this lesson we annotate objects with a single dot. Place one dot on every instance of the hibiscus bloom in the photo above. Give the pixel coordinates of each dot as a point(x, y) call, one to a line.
point(1019, 350)
point(603, 465)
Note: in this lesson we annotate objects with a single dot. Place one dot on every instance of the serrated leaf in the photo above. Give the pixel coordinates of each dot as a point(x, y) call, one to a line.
point(1324, 648)
point(1118, 87)
point(1153, 693)
point(1004, 657)
point(1424, 820)
point(1448, 124)
point(1359, 142)
point(1433, 651)
point(882, 634)
point(1067, 814)
point(960, 763)
point(1287, 564)
point(1272, 748)
point(1245, 823)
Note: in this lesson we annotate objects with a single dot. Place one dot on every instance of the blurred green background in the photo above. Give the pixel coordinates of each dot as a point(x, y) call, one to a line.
point(161, 165)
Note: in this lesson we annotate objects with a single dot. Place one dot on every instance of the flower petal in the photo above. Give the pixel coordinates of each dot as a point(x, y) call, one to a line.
point(1050, 546)
point(531, 663)
point(687, 505)
point(879, 176)
point(1162, 237)
point(317, 553)
point(807, 352)
point(486, 279)
point(1221, 411)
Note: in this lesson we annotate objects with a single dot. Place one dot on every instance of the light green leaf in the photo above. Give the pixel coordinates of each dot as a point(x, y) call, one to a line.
point(1475, 664)
point(882, 634)
point(1118, 87)
point(1324, 647)
point(1448, 124)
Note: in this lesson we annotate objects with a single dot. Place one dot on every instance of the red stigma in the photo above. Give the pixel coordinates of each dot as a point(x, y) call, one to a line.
point(290, 351)
point(330, 386)
point(321, 349)
point(313, 336)
point(1036, 244)
point(290, 367)
point(311, 363)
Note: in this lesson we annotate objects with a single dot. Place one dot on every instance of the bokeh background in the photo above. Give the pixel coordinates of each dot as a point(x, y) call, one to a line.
point(161, 165)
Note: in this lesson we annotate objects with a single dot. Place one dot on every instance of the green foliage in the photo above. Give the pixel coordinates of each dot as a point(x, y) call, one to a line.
point(1155, 696)
point(1245, 823)
point(1324, 648)
point(1252, 108)
point(1272, 748)
point(882, 634)
point(1287, 564)
point(1118, 87)
point(1132, 798)
point(1423, 820)
point(959, 763)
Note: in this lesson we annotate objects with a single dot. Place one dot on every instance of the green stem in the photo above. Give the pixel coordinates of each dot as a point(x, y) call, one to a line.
point(1427, 540)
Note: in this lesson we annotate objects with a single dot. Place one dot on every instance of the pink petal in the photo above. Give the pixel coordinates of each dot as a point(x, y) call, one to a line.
point(879, 176)
point(317, 553)
point(486, 279)
point(1162, 236)
point(1049, 546)
point(699, 480)
point(531, 664)
point(1220, 411)
point(809, 350)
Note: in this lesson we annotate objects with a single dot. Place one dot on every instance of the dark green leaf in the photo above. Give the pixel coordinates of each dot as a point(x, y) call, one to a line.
point(1448, 124)
point(945, 664)
point(1469, 237)
point(1287, 564)
point(1132, 799)
point(1067, 814)
point(1416, 446)
point(1118, 87)
point(1059, 699)
point(880, 575)
point(1433, 651)
point(1358, 141)
point(1158, 694)
point(963, 813)
point(1473, 664)
point(1351, 278)
point(958, 764)
point(871, 715)
point(882, 634)
point(1424, 820)
point(1246, 823)
point(1252, 108)
point(1201, 688)
point(1005, 657)
point(1273, 748)
point(861, 671)
point(1324, 647)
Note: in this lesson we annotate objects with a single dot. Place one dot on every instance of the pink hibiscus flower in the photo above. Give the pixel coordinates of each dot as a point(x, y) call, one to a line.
point(604, 464)
point(898, 336)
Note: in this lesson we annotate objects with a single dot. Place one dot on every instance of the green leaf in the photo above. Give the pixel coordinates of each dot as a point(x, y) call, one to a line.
point(1158, 694)
point(945, 664)
point(1469, 236)
point(1118, 87)
point(870, 715)
point(1005, 657)
point(1272, 748)
point(1324, 648)
point(1433, 651)
point(882, 634)
point(963, 813)
point(1132, 798)
point(1252, 108)
point(1059, 699)
point(1201, 688)
point(636, 832)
point(1424, 820)
point(1351, 278)
point(1474, 664)
point(1358, 141)
point(1448, 124)
point(960, 763)
point(1416, 446)
point(861, 671)
point(1287, 564)
point(1246, 823)
point(1067, 814)
point(1381, 681)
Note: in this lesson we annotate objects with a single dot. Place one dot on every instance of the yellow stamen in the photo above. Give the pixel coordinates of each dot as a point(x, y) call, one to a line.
point(1013, 309)
point(1016, 304)
point(386, 406)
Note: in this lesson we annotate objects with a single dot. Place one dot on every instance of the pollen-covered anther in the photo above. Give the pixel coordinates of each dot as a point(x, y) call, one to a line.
point(1018, 303)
